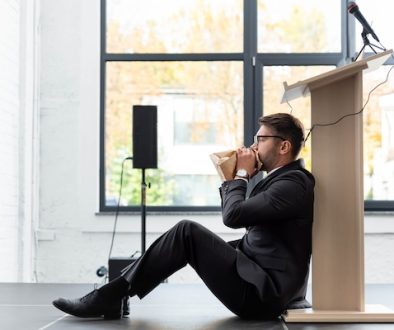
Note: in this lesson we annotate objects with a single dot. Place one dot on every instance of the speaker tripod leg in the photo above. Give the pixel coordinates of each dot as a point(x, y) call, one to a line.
point(125, 307)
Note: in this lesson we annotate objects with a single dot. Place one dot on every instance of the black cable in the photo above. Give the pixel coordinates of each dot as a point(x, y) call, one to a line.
point(351, 114)
point(117, 207)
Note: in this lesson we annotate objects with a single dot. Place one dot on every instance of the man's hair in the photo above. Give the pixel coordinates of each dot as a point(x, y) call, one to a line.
point(288, 127)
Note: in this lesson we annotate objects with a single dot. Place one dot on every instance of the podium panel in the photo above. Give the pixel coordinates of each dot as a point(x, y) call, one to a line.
point(337, 159)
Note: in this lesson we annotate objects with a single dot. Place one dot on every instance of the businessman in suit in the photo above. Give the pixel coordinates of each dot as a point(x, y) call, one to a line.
point(257, 276)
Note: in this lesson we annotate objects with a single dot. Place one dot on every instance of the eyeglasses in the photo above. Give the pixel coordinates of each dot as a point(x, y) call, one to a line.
point(257, 138)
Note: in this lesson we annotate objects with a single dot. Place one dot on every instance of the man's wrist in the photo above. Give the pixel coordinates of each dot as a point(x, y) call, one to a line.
point(242, 174)
point(241, 178)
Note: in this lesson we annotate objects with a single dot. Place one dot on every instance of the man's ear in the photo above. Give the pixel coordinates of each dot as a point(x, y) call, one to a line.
point(285, 147)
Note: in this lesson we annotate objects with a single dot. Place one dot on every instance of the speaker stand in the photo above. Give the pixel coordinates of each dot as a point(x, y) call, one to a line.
point(143, 211)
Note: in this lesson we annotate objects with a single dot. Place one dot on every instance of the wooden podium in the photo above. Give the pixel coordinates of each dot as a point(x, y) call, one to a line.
point(338, 229)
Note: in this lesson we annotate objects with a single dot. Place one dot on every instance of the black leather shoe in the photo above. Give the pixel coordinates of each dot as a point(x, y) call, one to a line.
point(91, 305)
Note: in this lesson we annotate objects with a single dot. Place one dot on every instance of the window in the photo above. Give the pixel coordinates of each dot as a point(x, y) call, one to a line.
point(299, 26)
point(378, 115)
point(171, 26)
point(273, 82)
point(213, 68)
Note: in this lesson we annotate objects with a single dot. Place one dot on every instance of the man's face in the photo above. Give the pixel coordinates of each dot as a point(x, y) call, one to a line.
point(267, 147)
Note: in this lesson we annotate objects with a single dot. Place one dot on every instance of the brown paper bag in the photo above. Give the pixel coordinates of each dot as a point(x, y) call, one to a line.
point(225, 162)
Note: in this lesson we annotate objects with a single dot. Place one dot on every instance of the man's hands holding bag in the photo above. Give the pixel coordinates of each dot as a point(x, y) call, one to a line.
point(228, 162)
point(248, 159)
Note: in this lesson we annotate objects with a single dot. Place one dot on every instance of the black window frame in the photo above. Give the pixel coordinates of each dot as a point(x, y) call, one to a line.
point(253, 62)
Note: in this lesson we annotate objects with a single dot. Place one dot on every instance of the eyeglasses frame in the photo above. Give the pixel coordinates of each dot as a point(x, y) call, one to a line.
point(256, 138)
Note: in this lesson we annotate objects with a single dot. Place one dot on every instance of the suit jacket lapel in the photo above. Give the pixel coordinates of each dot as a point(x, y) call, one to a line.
point(298, 164)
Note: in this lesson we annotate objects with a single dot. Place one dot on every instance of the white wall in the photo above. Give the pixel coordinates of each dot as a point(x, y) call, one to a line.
point(18, 138)
point(9, 136)
point(73, 241)
point(69, 107)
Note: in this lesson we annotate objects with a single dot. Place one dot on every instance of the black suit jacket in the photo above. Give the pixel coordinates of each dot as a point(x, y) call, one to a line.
point(275, 252)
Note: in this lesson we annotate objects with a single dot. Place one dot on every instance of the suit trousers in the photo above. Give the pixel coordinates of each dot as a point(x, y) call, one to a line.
point(212, 258)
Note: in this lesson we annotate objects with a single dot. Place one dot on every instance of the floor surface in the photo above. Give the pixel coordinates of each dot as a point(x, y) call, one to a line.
point(170, 306)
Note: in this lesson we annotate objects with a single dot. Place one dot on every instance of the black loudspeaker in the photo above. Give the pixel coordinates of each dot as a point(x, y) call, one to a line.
point(116, 265)
point(145, 136)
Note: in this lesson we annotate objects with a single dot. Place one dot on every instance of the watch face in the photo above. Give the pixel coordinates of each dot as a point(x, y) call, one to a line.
point(242, 173)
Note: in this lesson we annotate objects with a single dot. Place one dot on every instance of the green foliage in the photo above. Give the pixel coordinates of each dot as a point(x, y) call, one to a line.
point(159, 193)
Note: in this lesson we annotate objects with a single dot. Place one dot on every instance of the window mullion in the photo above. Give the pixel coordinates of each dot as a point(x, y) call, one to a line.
point(250, 52)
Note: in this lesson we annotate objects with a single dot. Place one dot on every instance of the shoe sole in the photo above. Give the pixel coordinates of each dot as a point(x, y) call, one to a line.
point(107, 316)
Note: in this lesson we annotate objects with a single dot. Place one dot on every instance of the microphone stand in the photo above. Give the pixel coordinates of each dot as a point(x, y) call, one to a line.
point(366, 43)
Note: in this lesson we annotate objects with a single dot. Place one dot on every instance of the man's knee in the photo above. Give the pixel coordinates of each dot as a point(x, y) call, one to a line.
point(189, 226)
point(187, 223)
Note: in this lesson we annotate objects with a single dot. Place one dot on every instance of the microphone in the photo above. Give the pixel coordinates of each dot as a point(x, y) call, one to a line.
point(353, 9)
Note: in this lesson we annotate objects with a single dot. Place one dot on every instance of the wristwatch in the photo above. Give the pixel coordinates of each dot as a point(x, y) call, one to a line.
point(242, 173)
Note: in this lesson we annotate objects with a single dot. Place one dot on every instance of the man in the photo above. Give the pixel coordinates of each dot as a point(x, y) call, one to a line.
point(258, 276)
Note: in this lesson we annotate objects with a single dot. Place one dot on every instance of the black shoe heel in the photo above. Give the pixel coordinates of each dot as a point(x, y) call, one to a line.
point(126, 309)
point(114, 314)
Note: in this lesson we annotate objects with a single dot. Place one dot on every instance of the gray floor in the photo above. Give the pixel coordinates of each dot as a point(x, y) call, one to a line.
point(170, 306)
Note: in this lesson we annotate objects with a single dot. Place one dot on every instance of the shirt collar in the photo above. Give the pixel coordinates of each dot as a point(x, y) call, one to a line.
point(272, 171)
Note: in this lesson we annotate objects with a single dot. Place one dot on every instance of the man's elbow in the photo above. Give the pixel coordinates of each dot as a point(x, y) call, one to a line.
point(231, 221)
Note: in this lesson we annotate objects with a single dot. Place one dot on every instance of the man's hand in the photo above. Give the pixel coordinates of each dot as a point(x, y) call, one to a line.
point(246, 159)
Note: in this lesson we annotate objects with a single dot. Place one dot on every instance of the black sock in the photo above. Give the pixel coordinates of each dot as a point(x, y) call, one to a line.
point(116, 289)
